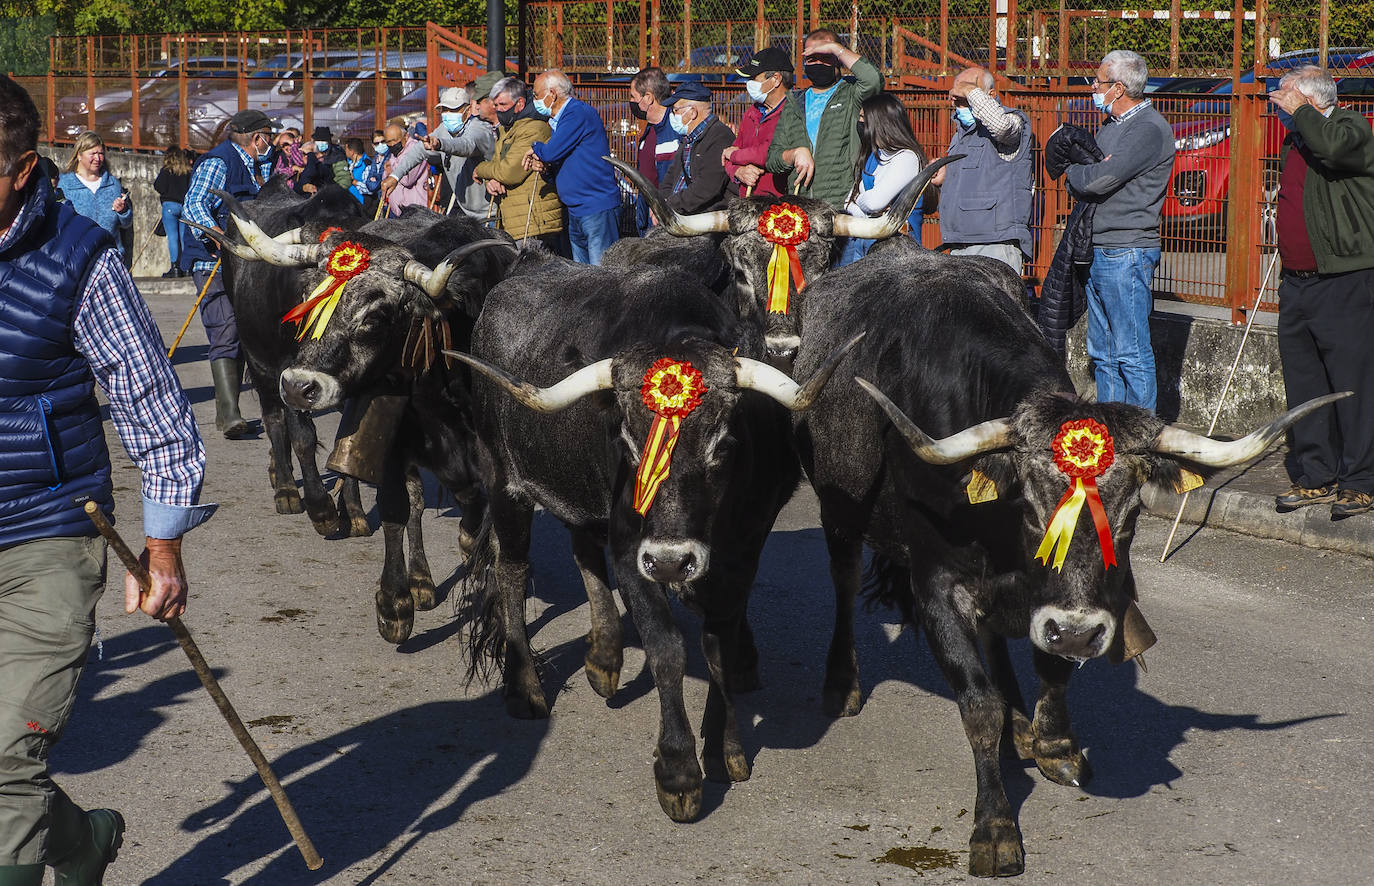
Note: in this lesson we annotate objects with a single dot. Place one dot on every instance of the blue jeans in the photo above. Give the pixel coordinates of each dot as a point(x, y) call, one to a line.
point(1119, 305)
point(591, 235)
point(171, 223)
point(854, 248)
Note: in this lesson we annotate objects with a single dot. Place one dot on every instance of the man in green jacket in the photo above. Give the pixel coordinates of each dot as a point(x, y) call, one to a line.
point(817, 141)
point(1325, 222)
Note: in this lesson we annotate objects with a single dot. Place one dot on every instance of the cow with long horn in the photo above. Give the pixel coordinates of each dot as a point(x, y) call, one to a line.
point(373, 309)
point(631, 404)
point(998, 504)
point(777, 246)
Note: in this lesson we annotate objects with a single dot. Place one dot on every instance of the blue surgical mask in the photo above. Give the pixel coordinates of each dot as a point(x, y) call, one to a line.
point(322, 147)
point(1100, 101)
point(453, 120)
point(542, 108)
point(678, 126)
point(1284, 117)
point(756, 90)
point(965, 117)
point(383, 148)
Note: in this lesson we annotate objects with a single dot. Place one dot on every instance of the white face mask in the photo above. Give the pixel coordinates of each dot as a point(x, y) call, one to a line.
point(757, 91)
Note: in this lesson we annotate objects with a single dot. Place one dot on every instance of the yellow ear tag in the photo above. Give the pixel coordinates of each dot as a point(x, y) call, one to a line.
point(981, 488)
point(1187, 481)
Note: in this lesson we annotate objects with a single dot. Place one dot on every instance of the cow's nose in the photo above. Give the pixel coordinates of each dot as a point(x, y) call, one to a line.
point(1076, 638)
point(300, 391)
point(672, 562)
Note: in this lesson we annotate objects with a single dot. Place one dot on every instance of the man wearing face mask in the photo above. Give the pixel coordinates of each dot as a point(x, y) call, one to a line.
point(529, 205)
point(1325, 224)
point(574, 155)
point(817, 138)
point(769, 79)
point(985, 198)
point(658, 143)
point(1128, 186)
point(239, 165)
point(456, 146)
point(696, 181)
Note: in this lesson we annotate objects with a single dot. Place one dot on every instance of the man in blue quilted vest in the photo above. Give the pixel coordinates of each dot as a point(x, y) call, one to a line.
point(238, 166)
point(69, 318)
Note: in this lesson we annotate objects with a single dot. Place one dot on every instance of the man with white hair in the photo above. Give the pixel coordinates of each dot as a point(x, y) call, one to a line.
point(575, 154)
point(1128, 186)
point(985, 198)
point(1325, 224)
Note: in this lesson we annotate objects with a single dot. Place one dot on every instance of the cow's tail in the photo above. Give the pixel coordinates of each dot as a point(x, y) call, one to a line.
point(888, 583)
point(478, 607)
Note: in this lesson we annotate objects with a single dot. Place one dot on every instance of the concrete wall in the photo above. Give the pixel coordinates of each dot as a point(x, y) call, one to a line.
point(136, 172)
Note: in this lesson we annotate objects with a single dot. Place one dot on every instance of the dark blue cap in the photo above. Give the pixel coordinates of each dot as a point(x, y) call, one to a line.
point(691, 91)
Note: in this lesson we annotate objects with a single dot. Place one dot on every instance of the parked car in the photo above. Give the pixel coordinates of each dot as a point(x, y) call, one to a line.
point(72, 111)
point(1195, 204)
point(343, 94)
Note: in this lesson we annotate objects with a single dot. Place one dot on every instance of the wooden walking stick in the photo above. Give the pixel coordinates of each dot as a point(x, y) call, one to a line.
point(195, 307)
point(207, 679)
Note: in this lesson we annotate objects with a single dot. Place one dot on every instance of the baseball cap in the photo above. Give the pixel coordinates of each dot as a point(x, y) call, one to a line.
point(770, 58)
point(691, 91)
point(454, 98)
point(251, 120)
point(486, 82)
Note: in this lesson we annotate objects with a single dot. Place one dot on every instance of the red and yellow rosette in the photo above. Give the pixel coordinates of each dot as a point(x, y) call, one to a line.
point(1083, 450)
point(786, 227)
point(347, 261)
point(671, 390)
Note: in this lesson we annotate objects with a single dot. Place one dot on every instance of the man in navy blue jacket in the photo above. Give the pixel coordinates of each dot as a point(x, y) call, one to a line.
point(575, 155)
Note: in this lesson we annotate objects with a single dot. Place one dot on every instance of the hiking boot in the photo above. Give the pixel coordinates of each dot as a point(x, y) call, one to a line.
point(1300, 497)
point(1349, 503)
point(99, 846)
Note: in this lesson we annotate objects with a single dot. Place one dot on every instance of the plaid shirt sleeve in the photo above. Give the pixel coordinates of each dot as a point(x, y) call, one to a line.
point(200, 203)
point(114, 330)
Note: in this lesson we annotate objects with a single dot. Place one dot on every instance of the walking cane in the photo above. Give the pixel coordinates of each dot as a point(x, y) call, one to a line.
point(204, 289)
point(1264, 281)
point(207, 679)
point(529, 213)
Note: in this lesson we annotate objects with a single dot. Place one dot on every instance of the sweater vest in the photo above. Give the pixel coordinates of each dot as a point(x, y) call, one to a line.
point(52, 444)
point(986, 199)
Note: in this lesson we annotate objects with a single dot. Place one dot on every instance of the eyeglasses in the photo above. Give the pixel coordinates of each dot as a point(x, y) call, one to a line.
point(1097, 82)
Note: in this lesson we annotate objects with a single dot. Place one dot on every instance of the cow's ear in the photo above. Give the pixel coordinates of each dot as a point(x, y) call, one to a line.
point(1174, 477)
point(993, 476)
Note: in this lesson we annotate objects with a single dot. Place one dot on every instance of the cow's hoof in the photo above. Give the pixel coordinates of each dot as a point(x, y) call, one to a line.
point(1072, 771)
point(746, 680)
point(726, 769)
point(1022, 736)
point(325, 526)
point(395, 616)
point(995, 850)
point(842, 702)
point(604, 681)
point(288, 502)
point(422, 592)
point(358, 527)
point(467, 543)
point(527, 707)
point(680, 806)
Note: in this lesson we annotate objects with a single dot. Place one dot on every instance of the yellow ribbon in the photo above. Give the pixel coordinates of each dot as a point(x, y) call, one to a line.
point(1062, 524)
point(778, 280)
point(319, 316)
point(655, 460)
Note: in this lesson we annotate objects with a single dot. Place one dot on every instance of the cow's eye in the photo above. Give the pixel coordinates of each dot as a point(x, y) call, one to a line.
point(721, 451)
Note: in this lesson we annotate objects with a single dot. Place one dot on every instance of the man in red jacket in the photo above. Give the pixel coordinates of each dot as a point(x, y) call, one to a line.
point(770, 78)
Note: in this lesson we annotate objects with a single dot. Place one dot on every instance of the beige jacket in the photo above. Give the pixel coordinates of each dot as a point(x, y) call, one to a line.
point(546, 215)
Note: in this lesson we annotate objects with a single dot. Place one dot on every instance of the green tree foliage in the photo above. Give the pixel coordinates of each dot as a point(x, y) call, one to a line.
point(24, 44)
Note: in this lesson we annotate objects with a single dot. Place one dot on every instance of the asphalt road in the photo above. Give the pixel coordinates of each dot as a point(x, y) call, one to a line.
point(1242, 756)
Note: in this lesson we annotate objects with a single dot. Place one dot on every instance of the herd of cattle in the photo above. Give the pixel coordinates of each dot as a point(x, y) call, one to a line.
point(650, 405)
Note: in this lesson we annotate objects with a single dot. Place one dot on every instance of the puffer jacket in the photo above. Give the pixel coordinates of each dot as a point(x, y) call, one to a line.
point(546, 215)
point(1063, 294)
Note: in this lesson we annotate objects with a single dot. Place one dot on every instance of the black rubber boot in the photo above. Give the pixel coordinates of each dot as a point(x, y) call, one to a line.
point(228, 375)
point(82, 844)
point(22, 875)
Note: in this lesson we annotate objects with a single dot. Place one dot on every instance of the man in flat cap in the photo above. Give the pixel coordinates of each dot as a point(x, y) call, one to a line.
point(239, 165)
point(696, 181)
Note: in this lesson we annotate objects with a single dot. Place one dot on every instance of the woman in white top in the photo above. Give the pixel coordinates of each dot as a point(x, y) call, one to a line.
point(889, 158)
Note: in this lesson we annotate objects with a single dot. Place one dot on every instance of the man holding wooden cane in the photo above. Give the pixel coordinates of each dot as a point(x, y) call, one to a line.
point(75, 319)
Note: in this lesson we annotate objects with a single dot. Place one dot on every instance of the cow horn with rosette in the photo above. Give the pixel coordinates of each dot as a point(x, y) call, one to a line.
point(755, 375)
point(433, 281)
point(981, 438)
point(1220, 454)
point(284, 250)
point(715, 222)
point(587, 380)
point(898, 211)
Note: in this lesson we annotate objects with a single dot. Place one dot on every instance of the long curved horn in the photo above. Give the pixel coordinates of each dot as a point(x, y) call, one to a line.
point(238, 249)
point(980, 438)
point(716, 222)
point(898, 211)
point(281, 252)
point(587, 380)
point(1219, 454)
point(434, 281)
point(765, 379)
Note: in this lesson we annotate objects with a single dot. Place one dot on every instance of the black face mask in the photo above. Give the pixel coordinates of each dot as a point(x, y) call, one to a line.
point(821, 75)
point(507, 117)
point(637, 112)
point(861, 129)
